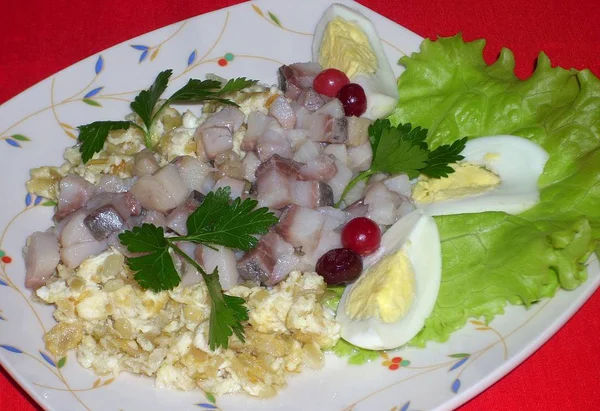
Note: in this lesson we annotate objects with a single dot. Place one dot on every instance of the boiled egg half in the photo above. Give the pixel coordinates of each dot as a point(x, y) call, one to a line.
point(390, 301)
point(347, 40)
point(499, 173)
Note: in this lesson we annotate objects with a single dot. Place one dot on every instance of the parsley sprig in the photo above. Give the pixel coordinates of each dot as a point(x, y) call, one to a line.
point(92, 136)
point(217, 221)
point(403, 150)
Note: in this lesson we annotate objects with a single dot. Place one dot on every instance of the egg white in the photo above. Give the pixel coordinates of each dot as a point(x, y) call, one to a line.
point(518, 162)
point(380, 87)
point(418, 235)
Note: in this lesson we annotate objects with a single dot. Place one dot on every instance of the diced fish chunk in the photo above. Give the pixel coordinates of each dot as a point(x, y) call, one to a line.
point(41, 258)
point(104, 221)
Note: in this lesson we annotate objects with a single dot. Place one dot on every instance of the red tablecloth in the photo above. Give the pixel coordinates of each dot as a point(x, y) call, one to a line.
point(41, 37)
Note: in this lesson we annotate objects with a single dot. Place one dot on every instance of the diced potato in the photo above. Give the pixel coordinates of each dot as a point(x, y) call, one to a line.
point(358, 131)
point(63, 337)
point(44, 182)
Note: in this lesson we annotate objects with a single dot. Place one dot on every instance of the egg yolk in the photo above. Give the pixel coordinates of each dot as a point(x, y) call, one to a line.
point(467, 180)
point(346, 47)
point(385, 291)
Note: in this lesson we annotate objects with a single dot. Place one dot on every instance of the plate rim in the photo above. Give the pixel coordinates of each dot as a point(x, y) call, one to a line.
point(529, 349)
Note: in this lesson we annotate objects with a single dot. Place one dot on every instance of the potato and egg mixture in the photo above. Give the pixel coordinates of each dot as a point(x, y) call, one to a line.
point(115, 326)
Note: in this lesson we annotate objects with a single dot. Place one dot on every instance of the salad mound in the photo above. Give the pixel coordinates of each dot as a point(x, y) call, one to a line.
point(511, 259)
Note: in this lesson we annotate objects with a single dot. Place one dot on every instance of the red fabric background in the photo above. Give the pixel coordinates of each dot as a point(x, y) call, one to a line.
point(39, 38)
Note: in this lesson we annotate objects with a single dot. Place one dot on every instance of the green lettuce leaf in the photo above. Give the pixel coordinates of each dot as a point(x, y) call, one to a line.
point(355, 355)
point(491, 259)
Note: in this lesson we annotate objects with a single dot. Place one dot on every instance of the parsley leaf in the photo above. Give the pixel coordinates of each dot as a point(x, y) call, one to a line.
point(155, 269)
point(144, 103)
point(92, 136)
point(218, 220)
point(195, 89)
point(236, 85)
point(205, 90)
point(399, 149)
point(226, 315)
point(437, 163)
point(395, 155)
point(403, 150)
point(233, 225)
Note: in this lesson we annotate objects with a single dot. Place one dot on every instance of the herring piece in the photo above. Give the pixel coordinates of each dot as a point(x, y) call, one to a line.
point(177, 218)
point(149, 217)
point(145, 163)
point(125, 204)
point(273, 142)
point(104, 221)
point(399, 184)
point(336, 130)
point(356, 209)
point(78, 242)
point(301, 227)
point(307, 151)
point(113, 184)
point(257, 264)
point(333, 108)
point(215, 140)
point(311, 100)
point(334, 217)
point(312, 194)
point(75, 191)
point(238, 187)
point(382, 203)
point(228, 117)
point(196, 174)
point(297, 77)
point(338, 151)
point(73, 230)
point(73, 255)
point(162, 191)
point(224, 259)
point(321, 168)
point(341, 179)
point(360, 157)
point(41, 258)
point(296, 137)
point(258, 124)
point(281, 110)
point(270, 262)
point(274, 182)
point(251, 163)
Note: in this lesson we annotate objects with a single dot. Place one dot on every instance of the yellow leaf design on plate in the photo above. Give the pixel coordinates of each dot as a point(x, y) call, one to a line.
point(482, 328)
point(109, 381)
point(478, 323)
point(258, 11)
point(67, 126)
point(96, 383)
point(71, 134)
point(154, 54)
